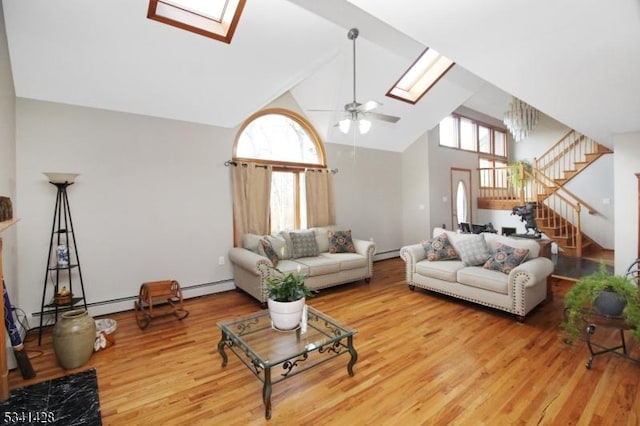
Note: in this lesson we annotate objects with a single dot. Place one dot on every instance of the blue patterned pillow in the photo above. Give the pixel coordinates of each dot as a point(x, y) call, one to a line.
point(473, 250)
point(269, 251)
point(304, 244)
point(439, 248)
point(341, 242)
point(506, 258)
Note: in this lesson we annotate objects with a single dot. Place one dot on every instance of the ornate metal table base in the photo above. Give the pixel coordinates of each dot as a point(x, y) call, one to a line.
point(591, 329)
point(326, 337)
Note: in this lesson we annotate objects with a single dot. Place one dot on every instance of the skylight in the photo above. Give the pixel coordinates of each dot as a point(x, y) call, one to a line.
point(211, 18)
point(421, 76)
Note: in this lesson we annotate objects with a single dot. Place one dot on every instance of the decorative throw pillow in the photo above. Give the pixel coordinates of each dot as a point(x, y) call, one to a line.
point(279, 245)
point(473, 250)
point(506, 258)
point(439, 248)
point(269, 251)
point(304, 244)
point(341, 242)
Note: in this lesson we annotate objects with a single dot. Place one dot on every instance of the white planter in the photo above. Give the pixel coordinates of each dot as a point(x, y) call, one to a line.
point(286, 315)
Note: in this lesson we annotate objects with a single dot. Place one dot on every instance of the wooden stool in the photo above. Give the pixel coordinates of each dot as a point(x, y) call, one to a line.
point(166, 291)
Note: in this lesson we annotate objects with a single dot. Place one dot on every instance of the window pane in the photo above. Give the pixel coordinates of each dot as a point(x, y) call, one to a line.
point(501, 174)
point(486, 172)
point(500, 143)
point(447, 132)
point(282, 201)
point(484, 141)
point(461, 202)
point(467, 140)
point(277, 137)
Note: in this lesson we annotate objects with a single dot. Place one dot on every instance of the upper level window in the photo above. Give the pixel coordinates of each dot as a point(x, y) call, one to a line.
point(471, 135)
point(211, 18)
point(289, 143)
point(430, 67)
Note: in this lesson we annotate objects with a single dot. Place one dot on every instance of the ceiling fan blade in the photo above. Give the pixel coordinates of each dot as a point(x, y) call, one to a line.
point(368, 106)
point(383, 117)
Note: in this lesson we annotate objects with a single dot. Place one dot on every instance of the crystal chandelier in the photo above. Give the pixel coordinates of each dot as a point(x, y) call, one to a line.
point(520, 119)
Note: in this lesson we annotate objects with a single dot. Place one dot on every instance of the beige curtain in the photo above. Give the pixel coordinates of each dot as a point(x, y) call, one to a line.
point(251, 185)
point(321, 209)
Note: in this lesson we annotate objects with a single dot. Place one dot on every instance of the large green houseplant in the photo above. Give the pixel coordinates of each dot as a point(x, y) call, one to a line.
point(286, 297)
point(585, 293)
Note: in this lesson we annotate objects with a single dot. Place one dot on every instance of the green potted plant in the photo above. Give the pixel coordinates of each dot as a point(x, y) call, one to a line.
point(589, 293)
point(517, 178)
point(286, 295)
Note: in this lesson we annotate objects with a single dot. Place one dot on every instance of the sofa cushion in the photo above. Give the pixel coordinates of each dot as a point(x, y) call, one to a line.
point(269, 251)
point(251, 242)
point(319, 265)
point(475, 276)
point(439, 248)
point(304, 244)
point(290, 265)
point(473, 250)
point(446, 271)
point(341, 242)
point(322, 237)
point(347, 260)
point(506, 258)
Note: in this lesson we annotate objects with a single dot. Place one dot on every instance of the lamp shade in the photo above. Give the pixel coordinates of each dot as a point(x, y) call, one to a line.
point(344, 125)
point(364, 126)
point(56, 177)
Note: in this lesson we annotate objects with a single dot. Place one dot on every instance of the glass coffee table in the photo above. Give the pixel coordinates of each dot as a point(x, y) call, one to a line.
point(262, 348)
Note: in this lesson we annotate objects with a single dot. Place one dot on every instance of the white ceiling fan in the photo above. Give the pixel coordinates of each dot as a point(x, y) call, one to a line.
point(356, 112)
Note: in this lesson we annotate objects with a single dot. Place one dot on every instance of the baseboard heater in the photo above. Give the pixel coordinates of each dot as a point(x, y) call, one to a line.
point(118, 305)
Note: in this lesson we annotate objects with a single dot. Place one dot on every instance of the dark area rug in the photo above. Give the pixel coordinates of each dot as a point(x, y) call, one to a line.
point(68, 400)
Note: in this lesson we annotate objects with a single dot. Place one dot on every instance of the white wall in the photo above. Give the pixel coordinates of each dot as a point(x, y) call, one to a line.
point(368, 195)
point(152, 200)
point(626, 165)
point(8, 161)
point(416, 220)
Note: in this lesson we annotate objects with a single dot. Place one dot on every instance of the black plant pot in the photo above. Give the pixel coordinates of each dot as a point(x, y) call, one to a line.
point(610, 303)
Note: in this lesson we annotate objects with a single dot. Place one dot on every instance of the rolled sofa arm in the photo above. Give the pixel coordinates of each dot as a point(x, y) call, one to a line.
point(367, 249)
point(246, 259)
point(411, 255)
point(531, 272)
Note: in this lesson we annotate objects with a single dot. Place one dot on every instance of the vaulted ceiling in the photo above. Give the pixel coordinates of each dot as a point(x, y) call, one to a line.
point(577, 61)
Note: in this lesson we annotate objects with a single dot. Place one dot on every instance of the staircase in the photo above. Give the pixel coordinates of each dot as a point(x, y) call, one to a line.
point(558, 213)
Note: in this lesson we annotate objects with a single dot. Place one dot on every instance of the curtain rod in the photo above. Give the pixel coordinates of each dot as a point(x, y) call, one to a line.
point(233, 163)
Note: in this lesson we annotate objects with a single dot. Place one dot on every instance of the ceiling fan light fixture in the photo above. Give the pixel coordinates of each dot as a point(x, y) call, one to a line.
point(364, 126)
point(344, 125)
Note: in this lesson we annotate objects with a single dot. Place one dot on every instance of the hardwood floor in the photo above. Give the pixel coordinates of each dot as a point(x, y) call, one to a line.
point(422, 359)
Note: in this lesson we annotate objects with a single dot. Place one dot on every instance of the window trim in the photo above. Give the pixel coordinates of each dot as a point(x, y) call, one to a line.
point(194, 22)
point(411, 94)
point(283, 165)
point(476, 123)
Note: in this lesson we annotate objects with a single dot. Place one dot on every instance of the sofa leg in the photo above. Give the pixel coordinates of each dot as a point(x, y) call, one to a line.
point(520, 318)
point(367, 280)
point(412, 287)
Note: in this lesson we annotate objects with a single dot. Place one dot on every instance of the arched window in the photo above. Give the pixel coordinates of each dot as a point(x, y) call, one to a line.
point(288, 142)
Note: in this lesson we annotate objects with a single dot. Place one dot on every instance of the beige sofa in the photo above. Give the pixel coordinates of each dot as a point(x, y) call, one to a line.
point(517, 292)
point(251, 265)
